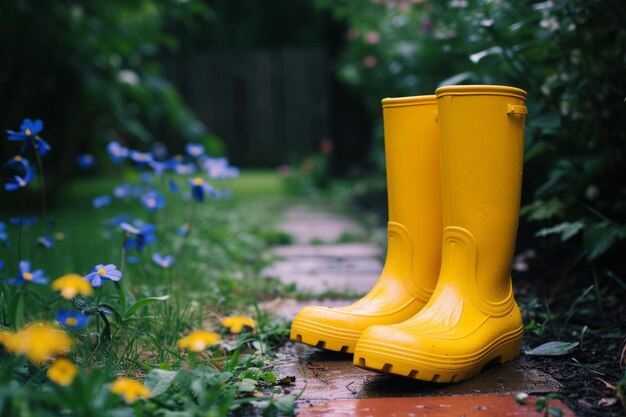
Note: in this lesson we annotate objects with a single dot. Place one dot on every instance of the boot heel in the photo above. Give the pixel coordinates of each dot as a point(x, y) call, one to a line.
point(508, 351)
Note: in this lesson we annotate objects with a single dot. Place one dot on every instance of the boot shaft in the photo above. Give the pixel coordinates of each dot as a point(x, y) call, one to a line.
point(482, 147)
point(413, 190)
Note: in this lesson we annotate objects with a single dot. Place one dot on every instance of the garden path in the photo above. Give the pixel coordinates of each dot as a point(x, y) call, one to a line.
point(317, 262)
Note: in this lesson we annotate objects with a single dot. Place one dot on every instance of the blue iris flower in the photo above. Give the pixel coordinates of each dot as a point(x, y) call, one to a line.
point(199, 188)
point(101, 272)
point(85, 161)
point(117, 152)
point(23, 174)
point(26, 275)
point(72, 319)
point(153, 201)
point(163, 261)
point(195, 149)
point(101, 201)
point(29, 133)
point(139, 236)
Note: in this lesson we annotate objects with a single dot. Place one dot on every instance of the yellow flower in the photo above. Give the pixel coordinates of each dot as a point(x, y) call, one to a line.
point(199, 340)
point(130, 389)
point(236, 323)
point(38, 341)
point(62, 372)
point(71, 285)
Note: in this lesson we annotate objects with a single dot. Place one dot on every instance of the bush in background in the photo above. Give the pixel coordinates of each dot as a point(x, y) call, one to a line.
point(567, 54)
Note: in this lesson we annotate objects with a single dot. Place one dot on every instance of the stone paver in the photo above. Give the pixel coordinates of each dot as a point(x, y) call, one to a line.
point(467, 406)
point(331, 376)
point(330, 266)
point(328, 383)
point(307, 224)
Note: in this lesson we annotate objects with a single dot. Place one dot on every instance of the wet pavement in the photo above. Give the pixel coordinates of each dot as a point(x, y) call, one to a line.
point(327, 383)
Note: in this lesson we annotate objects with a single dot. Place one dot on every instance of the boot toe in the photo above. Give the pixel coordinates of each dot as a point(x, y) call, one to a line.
point(327, 328)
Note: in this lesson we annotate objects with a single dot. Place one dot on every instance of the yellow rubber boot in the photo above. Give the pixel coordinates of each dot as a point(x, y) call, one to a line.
point(472, 317)
point(415, 223)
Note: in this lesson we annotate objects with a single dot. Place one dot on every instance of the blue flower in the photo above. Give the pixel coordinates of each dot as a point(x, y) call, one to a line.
point(173, 186)
point(45, 241)
point(146, 177)
point(85, 161)
point(29, 131)
point(16, 163)
point(153, 201)
point(3, 232)
point(72, 319)
point(22, 180)
point(117, 220)
point(174, 161)
point(139, 236)
point(219, 168)
point(141, 158)
point(117, 152)
point(123, 191)
point(199, 188)
point(101, 272)
point(159, 167)
point(27, 221)
point(1, 264)
point(195, 149)
point(163, 261)
point(101, 201)
point(183, 229)
point(185, 169)
point(26, 275)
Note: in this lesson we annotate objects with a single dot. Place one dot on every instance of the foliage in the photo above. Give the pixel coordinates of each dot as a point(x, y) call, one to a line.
point(567, 54)
point(92, 70)
point(138, 334)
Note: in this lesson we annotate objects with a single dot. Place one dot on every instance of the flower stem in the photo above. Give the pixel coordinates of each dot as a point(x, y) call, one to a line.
point(181, 251)
point(43, 184)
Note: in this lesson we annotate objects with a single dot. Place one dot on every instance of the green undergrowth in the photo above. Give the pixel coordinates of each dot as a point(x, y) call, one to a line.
point(136, 324)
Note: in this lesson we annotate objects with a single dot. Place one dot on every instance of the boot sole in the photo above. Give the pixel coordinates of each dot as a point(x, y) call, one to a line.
point(380, 357)
point(324, 336)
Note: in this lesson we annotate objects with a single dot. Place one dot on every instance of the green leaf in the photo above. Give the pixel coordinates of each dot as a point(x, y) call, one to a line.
point(246, 385)
point(269, 377)
point(251, 373)
point(457, 79)
point(565, 229)
point(16, 309)
point(142, 303)
point(599, 238)
point(287, 405)
point(159, 381)
point(555, 411)
point(553, 349)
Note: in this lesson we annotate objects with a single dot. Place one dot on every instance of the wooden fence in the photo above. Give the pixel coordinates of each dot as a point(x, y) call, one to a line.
point(268, 106)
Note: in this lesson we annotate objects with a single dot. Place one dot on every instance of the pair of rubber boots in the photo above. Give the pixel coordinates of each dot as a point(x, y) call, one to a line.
point(443, 306)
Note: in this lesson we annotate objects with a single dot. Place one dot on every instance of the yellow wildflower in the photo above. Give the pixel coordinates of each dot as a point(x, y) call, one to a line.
point(199, 340)
point(236, 323)
point(38, 341)
point(71, 285)
point(62, 372)
point(130, 389)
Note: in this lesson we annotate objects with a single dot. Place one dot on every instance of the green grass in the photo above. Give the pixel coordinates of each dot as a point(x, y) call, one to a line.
point(216, 273)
